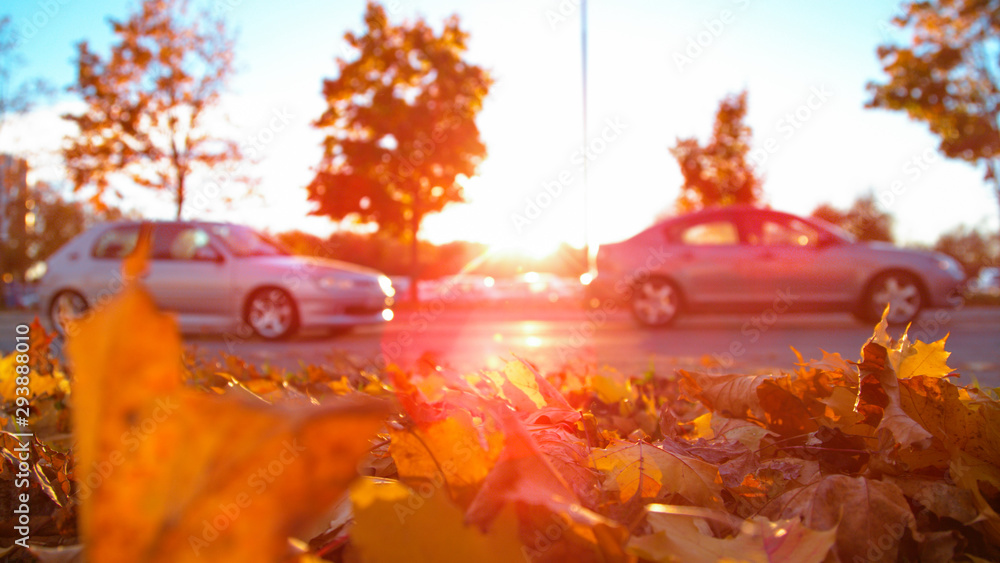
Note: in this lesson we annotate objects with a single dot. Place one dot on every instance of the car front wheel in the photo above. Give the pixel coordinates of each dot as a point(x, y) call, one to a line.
point(655, 302)
point(271, 313)
point(901, 291)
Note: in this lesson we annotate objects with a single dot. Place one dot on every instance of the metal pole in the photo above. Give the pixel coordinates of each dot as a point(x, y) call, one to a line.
point(586, 222)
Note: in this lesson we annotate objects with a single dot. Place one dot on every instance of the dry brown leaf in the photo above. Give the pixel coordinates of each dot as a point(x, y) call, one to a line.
point(907, 431)
point(681, 536)
point(870, 516)
point(732, 395)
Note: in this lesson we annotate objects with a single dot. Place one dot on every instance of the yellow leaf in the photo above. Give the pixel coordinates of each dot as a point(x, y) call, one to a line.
point(612, 387)
point(449, 453)
point(648, 471)
point(703, 427)
point(517, 384)
point(927, 359)
point(394, 523)
point(167, 473)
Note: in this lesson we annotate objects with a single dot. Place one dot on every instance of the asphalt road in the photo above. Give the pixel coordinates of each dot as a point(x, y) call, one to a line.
point(472, 339)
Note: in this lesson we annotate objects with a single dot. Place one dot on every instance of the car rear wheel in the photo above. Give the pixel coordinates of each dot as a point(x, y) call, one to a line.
point(901, 291)
point(271, 313)
point(66, 306)
point(655, 302)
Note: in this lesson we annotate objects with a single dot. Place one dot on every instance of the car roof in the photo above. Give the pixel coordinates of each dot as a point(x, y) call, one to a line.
point(137, 222)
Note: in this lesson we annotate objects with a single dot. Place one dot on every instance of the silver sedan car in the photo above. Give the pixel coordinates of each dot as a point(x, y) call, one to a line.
point(748, 259)
point(215, 276)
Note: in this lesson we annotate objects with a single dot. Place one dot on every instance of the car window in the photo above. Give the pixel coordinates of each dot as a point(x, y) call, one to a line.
point(793, 232)
point(182, 242)
point(116, 243)
point(243, 241)
point(712, 233)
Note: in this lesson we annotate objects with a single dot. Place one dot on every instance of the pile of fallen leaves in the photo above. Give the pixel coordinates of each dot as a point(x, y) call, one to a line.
point(173, 458)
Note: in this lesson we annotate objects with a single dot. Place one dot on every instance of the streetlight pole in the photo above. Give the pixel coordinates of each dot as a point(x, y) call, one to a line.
point(586, 207)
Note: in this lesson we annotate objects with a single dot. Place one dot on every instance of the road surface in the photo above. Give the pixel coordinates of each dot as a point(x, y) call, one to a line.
point(472, 339)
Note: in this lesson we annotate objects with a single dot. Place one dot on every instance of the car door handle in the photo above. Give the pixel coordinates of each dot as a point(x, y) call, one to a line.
point(765, 255)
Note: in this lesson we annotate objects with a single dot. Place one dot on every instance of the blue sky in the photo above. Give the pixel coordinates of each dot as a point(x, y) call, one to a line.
point(657, 70)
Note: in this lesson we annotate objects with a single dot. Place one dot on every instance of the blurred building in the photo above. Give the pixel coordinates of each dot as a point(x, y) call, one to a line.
point(13, 215)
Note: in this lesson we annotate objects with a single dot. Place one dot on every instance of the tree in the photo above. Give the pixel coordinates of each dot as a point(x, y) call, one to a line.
point(972, 248)
point(401, 126)
point(16, 98)
point(948, 77)
point(863, 220)
point(147, 102)
point(719, 173)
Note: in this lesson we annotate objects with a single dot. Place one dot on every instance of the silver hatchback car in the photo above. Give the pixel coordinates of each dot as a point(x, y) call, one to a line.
point(215, 276)
point(745, 259)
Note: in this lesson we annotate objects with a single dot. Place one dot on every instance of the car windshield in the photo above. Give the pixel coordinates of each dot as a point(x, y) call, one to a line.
point(244, 241)
point(835, 230)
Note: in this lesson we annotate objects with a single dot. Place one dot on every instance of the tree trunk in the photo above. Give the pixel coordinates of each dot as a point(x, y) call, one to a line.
point(180, 194)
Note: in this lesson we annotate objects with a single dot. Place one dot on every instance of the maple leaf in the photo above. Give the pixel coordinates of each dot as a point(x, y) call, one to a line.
point(907, 431)
point(525, 389)
point(523, 477)
point(959, 425)
point(680, 534)
point(870, 516)
point(208, 469)
point(522, 474)
point(925, 359)
point(645, 471)
point(731, 395)
point(739, 430)
point(395, 523)
point(455, 453)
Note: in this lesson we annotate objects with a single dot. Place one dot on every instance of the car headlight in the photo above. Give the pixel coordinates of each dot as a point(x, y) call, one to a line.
point(386, 284)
